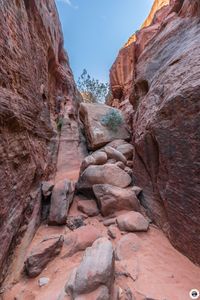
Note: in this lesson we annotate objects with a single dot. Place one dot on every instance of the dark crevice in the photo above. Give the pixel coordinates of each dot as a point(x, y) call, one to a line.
point(174, 62)
point(27, 4)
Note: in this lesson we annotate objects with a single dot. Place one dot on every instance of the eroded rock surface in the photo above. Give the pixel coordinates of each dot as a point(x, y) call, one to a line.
point(89, 207)
point(105, 174)
point(95, 270)
point(158, 72)
point(112, 199)
point(35, 80)
point(42, 255)
point(98, 134)
point(61, 199)
point(132, 221)
point(80, 239)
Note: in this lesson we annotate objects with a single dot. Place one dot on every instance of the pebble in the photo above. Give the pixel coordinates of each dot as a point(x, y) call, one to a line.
point(43, 281)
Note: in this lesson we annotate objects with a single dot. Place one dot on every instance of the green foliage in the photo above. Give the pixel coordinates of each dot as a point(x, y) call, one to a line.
point(113, 119)
point(92, 90)
point(59, 123)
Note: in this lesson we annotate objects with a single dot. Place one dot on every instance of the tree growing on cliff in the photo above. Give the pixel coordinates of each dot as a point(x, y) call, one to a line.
point(92, 90)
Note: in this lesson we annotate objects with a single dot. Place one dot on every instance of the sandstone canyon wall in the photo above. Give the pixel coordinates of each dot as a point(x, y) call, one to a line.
point(35, 79)
point(158, 73)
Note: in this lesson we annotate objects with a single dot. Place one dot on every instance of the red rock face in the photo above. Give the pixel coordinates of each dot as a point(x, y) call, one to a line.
point(34, 77)
point(165, 97)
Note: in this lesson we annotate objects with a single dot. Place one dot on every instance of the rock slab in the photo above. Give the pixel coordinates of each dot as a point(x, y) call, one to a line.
point(80, 239)
point(96, 269)
point(88, 207)
point(111, 199)
point(45, 252)
point(106, 174)
point(61, 199)
point(132, 221)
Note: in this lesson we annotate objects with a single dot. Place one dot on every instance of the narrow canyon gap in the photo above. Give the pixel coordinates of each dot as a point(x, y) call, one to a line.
point(88, 212)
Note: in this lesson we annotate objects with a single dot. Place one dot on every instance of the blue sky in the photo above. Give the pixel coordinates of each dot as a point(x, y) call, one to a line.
point(95, 30)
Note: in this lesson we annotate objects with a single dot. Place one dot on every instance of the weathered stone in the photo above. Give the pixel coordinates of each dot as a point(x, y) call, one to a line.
point(100, 157)
point(89, 160)
point(80, 239)
point(96, 269)
point(47, 187)
point(109, 222)
point(88, 207)
point(111, 199)
point(129, 171)
point(127, 150)
point(127, 246)
point(111, 161)
point(40, 256)
point(137, 190)
point(61, 199)
point(128, 268)
point(132, 221)
point(97, 134)
point(120, 164)
point(43, 281)
point(106, 174)
point(114, 154)
point(112, 232)
point(116, 143)
point(102, 293)
point(74, 222)
point(97, 158)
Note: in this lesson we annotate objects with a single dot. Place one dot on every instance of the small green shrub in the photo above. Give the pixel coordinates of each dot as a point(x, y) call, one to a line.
point(59, 123)
point(113, 119)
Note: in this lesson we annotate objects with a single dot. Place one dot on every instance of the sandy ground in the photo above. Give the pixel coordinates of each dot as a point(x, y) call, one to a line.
point(161, 272)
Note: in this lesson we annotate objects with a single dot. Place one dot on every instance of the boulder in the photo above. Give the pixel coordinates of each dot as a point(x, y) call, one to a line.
point(46, 251)
point(61, 199)
point(112, 232)
point(111, 199)
point(98, 134)
point(47, 187)
point(109, 222)
point(100, 157)
point(114, 154)
point(111, 161)
point(43, 281)
point(88, 207)
point(80, 239)
point(132, 221)
point(89, 160)
point(96, 269)
point(120, 164)
point(102, 293)
point(97, 158)
point(116, 143)
point(127, 150)
point(137, 190)
point(74, 222)
point(127, 246)
point(106, 174)
point(129, 171)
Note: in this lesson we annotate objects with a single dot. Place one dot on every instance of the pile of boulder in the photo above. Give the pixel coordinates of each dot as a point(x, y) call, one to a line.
point(107, 175)
point(105, 188)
